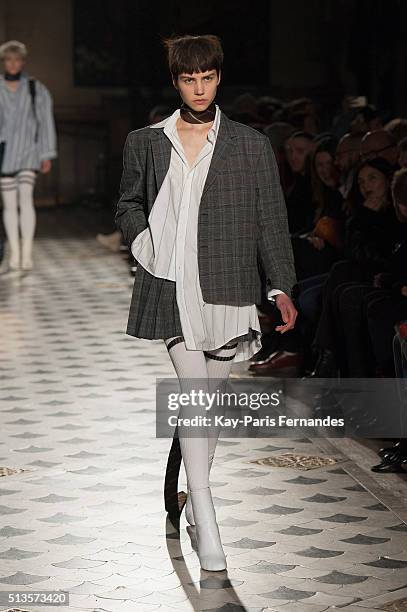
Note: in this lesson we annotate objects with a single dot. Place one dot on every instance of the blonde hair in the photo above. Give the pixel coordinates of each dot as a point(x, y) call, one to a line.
point(13, 46)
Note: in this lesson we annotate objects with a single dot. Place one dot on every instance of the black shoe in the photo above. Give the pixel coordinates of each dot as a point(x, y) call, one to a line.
point(391, 464)
point(383, 452)
point(325, 366)
point(263, 356)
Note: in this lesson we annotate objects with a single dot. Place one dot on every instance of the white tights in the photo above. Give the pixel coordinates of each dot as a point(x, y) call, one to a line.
point(197, 453)
point(16, 190)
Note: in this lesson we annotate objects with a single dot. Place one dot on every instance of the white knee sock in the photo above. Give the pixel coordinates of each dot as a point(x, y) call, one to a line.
point(10, 207)
point(9, 195)
point(26, 182)
point(195, 452)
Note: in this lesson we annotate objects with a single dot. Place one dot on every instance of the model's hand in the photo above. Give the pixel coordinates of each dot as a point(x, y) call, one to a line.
point(46, 166)
point(288, 312)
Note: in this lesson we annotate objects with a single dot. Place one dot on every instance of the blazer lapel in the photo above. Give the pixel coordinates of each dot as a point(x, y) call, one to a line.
point(161, 147)
point(223, 146)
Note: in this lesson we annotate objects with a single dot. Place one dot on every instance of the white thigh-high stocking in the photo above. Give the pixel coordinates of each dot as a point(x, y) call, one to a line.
point(26, 182)
point(9, 195)
point(191, 365)
point(219, 364)
point(195, 453)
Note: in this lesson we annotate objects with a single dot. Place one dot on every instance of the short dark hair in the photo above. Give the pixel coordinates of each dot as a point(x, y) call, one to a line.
point(193, 53)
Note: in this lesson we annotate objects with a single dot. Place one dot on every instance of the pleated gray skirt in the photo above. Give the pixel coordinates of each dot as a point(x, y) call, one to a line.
point(154, 310)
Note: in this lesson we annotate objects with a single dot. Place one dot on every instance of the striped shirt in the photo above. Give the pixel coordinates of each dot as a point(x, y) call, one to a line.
point(18, 126)
point(167, 248)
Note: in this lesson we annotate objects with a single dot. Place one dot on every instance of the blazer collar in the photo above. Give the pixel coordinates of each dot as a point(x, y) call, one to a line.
point(161, 148)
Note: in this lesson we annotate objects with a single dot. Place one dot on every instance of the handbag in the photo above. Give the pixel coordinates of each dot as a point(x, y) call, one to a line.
point(330, 230)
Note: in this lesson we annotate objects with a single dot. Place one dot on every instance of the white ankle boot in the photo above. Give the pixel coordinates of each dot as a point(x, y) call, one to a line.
point(189, 512)
point(209, 546)
point(14, 254)
point(27, 262)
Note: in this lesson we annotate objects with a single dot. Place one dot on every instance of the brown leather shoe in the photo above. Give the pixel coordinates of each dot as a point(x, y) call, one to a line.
point(280, 363)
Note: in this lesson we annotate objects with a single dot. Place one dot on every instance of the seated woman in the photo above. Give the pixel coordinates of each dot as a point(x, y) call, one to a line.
point(370, 236)
point(369, 311)
point(316, 250)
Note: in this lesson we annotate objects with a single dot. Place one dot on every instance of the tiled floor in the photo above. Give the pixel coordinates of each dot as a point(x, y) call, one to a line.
point(77, 413)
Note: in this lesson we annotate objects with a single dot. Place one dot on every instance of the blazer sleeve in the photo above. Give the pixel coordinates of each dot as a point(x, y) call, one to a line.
point(130, 216)
point(274, 242)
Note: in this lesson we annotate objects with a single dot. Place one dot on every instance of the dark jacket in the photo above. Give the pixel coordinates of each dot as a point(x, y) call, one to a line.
point(371, 236)
point(300, 209)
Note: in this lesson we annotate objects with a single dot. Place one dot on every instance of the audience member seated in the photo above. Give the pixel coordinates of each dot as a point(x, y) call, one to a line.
point(371, 233)
point(394, 458)
point(316, 250)
point(298, 196)
point(379, 144)
point(365, 119)
point(355, 117)
point(397, 128)
point(347, 157)
point(278, 133)
point(375, 307)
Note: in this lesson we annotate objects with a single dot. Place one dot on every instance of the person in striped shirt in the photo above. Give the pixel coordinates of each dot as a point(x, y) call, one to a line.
point(27, 146)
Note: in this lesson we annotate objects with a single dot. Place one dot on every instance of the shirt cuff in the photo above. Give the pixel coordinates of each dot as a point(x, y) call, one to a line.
point(273, 292)
point(48, 155)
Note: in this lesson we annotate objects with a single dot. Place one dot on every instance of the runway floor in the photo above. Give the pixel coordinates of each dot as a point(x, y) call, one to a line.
point(86, 514)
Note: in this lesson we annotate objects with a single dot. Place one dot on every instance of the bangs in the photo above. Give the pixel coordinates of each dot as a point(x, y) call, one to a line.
point(189, 54)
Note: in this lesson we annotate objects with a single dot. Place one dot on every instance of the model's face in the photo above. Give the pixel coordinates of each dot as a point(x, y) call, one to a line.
point(13, 63)
point(325, 169)
point(372, 183)
point(297, 150)
point(198, 89)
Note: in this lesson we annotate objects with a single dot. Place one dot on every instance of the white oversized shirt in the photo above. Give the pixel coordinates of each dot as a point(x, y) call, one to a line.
point(167, 249)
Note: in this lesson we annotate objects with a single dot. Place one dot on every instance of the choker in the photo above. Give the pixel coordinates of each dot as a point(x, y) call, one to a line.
point(12, 77)
point(192, 116)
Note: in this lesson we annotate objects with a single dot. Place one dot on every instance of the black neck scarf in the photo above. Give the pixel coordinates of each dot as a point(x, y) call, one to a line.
point(192, 116)
point(12, 77)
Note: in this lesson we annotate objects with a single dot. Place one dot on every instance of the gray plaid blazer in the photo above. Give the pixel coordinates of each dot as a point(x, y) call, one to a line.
point(242, 213)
